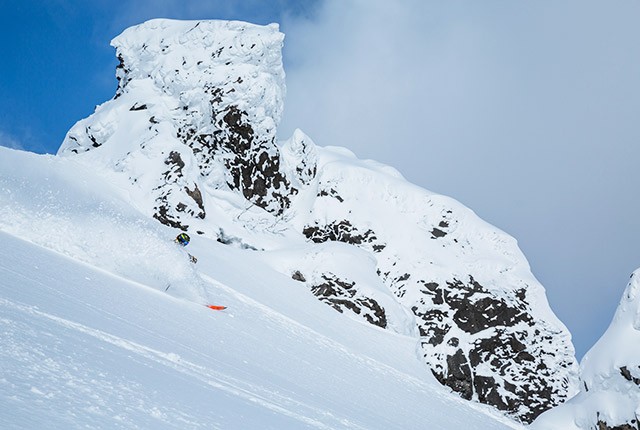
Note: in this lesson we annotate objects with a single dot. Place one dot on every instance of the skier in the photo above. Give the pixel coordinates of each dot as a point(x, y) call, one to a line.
point(184, 239)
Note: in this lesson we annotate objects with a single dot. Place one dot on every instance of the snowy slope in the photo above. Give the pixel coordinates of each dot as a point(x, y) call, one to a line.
point(189, 139)
point(610, 376)
point(90, 342)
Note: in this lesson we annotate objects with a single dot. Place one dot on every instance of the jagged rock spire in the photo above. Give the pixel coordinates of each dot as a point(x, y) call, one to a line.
point(202, 100)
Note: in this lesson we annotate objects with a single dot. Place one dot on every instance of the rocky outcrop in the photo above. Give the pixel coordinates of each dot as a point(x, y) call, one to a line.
point(484, 326)
point(342, 295)
point(609, 397)
point(342, 231)
point(178, 195)
point(498, 356)
point(204, 99)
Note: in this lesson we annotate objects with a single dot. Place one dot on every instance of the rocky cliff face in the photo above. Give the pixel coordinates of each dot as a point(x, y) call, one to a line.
point(609, 397)
point(190, 136)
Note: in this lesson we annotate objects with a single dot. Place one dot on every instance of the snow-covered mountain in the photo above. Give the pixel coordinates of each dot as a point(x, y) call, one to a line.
point(191, 135)
point(90, 339)
point(609, 397)
point(190, 140)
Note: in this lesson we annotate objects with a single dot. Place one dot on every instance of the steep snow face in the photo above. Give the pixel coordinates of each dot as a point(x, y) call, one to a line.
point(90, 339)
point(190, 137)
point(484, 324)
point(609, 397)
point(61, 204)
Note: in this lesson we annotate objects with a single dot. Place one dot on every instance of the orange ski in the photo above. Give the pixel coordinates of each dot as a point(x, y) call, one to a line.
point(216, 308)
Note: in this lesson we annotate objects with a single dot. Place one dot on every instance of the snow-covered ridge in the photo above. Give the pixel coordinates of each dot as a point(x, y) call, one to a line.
point(609, 397)
point(190, 139)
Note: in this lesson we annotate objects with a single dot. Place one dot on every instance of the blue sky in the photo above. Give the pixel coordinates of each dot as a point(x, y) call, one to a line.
point(524, 111)
point(58, 64)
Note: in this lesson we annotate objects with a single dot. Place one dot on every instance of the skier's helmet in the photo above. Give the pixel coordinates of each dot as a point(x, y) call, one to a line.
point(183, 239)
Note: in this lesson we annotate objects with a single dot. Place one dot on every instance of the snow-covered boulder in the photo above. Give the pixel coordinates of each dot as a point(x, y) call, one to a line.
point(190, 135)
point(609, 397)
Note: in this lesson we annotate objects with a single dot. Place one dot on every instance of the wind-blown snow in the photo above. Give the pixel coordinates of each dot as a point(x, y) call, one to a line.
point(72, 211)
point(88, 342)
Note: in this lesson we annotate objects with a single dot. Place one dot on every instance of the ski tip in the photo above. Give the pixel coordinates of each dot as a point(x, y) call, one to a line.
point(216, 307)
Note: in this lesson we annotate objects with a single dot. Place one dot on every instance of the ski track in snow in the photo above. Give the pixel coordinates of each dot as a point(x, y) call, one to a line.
point(266, 398)
point(254, 393)
point(319, 339)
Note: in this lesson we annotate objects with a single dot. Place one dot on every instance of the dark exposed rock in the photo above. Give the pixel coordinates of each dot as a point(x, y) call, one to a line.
point(196, 195)
point(306, 173)
point(172, 202)
point(624, 371)
point(502, 347)
point(218, 127)
point(298, 276)
point(486, 312)
point(475, 310)
point(435, 325)
point(343, 231)
point(122, 75)
point(252, 162)
point(486, 389)
point(175, 161)
point(137, 107)
point(441, 230)
point(628, 426)
point(342, 295)
point(94, 141)
point(458, 375)
point(330, 193)
point(162, 215)
point(500, 362)
point(436, 233)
